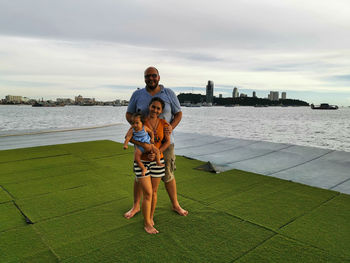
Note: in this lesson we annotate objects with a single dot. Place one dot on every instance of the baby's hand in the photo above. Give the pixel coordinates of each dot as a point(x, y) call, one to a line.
point(152, 141)
point(125, 147)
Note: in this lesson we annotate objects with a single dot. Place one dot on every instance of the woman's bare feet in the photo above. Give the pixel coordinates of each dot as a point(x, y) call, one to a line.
point(150, 229)
point(133, 211)
point(180, 211)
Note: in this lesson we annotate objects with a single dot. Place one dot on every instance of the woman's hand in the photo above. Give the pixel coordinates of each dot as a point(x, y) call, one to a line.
point(151, 156)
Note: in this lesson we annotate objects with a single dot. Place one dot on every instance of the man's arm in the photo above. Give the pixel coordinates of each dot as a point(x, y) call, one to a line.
point(176, 120)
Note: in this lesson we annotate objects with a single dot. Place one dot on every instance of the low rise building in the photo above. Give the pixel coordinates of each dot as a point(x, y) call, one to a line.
point(13, 99)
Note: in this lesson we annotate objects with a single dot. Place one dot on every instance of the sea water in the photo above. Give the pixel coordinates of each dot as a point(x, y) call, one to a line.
point(295, 125)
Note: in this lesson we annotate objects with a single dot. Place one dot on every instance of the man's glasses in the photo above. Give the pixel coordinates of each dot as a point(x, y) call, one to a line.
point(151, 75)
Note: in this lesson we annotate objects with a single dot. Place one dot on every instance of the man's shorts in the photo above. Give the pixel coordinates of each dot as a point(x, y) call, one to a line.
point(152, 169)
point(170, 167)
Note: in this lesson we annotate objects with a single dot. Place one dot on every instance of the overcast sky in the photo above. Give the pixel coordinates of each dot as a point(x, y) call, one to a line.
point(52, 49)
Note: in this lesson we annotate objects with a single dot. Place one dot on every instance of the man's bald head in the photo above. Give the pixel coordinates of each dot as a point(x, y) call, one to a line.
point(151, 68)
point(152, 78)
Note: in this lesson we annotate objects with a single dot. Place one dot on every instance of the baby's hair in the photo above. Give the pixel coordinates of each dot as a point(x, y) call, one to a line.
point(159, 100)
point(137, 114)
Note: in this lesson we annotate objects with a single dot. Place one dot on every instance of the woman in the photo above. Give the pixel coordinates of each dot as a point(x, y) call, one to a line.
point(150, 181)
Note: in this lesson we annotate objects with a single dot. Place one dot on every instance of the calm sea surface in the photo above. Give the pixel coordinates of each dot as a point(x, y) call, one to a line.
point(294, 125)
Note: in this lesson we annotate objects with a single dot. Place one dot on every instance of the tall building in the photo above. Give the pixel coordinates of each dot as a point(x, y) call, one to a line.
point(235, 93)
point(210, 92)
point(254, 94)
point(284, 95)
point(13, 99)
point(274, 95)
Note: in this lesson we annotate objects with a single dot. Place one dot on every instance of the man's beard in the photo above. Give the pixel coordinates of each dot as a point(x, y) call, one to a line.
point(153, 87)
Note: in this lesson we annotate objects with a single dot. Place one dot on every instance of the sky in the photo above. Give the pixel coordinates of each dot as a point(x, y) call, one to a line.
point(100, 48)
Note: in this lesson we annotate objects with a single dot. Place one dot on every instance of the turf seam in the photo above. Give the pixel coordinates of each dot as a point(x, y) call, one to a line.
point(36, 158)
point(41, 177)
point(44, 177)
point(3, 188)
point(46, 243)
point(26, 218)
point(113, 155)
point(309, 211)
point(312, 246)
point(79, 210)
point(291, 167)
point(103, 246)
point(253, 248)
point(245, 220)
point(231, 215)
point(5, 202)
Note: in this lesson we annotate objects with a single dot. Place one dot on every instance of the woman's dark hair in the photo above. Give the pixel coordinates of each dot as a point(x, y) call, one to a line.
point(138, 114)
point(159, 100)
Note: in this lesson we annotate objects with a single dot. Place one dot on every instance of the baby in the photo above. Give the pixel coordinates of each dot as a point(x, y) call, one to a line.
point(143, 134)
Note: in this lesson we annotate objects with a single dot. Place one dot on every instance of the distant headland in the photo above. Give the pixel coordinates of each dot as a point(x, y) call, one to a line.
point(192, 100)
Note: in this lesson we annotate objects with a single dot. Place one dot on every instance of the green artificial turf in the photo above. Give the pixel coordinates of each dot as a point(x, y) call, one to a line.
point(10, 217)
point(327, 227)
point(76, 194)
point(4, 196)
point(281, 249)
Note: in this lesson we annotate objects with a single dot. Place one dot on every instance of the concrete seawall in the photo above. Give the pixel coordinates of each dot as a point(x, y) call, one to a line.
point(318, 167)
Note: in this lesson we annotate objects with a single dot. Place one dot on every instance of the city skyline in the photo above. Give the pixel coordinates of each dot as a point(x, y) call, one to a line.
point(100, 48)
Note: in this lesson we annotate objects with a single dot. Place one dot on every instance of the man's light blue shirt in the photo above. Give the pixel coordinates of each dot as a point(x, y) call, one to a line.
point(140, 99)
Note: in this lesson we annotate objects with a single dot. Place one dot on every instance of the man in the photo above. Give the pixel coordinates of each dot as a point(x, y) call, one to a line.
point(172, 113)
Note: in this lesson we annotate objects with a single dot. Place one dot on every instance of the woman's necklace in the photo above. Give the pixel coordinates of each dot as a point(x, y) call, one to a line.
point(154, 127)
point(154, 124)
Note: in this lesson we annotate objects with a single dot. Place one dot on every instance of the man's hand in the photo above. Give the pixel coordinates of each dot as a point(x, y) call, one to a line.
point(168, 129)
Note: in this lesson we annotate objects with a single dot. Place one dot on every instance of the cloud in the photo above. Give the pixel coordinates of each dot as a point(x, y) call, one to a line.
point(225, 24)
point(102, 47)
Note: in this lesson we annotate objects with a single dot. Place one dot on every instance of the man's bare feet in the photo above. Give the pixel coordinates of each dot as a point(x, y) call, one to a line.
point(133, 211)
point(180, 211)
point(150, 229)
